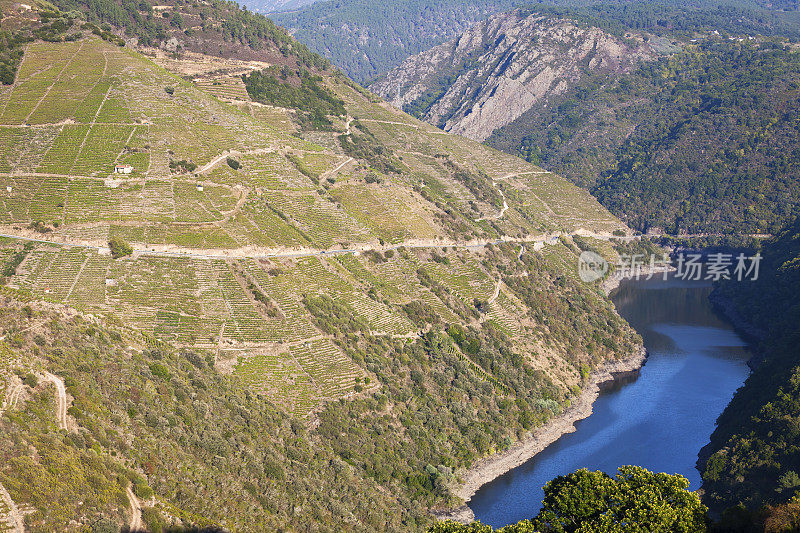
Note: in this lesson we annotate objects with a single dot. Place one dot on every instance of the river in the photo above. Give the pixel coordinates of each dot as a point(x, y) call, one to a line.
point(659, 419)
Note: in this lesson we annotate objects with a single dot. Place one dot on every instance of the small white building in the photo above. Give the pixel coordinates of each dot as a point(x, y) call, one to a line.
point(123, 169)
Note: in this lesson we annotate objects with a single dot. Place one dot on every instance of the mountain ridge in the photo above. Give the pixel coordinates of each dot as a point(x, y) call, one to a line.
point(501, 68)
point(652, 139)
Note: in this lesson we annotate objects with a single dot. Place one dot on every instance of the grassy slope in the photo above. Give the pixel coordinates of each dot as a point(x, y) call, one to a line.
point(79, 108)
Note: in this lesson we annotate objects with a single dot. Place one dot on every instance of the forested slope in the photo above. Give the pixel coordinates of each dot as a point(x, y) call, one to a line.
point(753, 455)
point(719, 154)
point(703, 141)
point(366, 39)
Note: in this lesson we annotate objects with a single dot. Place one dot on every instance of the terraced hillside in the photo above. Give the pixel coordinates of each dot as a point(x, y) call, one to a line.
point(226, 229)
point(78, 109)
point(368, 259)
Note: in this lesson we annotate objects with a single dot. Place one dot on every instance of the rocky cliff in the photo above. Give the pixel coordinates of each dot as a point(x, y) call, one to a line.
point(502, 67)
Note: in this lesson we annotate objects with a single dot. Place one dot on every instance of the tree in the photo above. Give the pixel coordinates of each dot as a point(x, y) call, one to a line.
point(637, 500)
point(119, 248)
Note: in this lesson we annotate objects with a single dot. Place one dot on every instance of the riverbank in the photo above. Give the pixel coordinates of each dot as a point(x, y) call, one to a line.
point(613, 280)
point(749, 331)
point(492, 467)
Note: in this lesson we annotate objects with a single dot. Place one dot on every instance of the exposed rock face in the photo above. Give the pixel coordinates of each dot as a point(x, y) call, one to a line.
point(500, 68)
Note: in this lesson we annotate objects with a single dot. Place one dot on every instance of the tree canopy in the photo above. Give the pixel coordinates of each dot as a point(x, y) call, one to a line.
point(636, 500)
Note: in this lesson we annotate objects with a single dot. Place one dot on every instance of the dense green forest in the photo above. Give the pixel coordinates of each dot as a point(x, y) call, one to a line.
point(702, 141)
point(754, 455)
point(300, 90)
point(675, 18)
point(10, 55)
point(366, 39)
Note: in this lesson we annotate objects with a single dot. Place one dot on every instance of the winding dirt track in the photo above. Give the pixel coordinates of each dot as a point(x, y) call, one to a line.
point(136, 510)
point(232, 153)
point(12, 397)
point(335, 170)
point(61, 399)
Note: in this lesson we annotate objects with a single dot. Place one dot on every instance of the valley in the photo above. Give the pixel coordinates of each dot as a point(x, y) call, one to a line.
point(649, 122)
point(240, 292)
point(669, 405)
point(176, 249)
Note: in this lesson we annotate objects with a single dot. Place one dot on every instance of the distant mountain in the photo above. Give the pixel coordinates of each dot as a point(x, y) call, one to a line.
point(502, 67)
point(366, 38)
point(276, 6)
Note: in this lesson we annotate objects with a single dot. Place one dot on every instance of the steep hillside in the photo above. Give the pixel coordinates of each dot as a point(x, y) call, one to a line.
point(142, 419)
point(297, 306)
point(216, 27)
point(698, 138)
point(703, 141)
point(501, 68)
point(752, 458)
point(366, 39)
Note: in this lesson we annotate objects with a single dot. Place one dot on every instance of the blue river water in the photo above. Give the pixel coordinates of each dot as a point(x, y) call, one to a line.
point(659, 419)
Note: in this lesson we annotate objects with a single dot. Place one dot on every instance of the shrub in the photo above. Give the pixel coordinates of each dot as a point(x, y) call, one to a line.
point(119, 248)
point(143, 491)
point(182, 166)
point(160, 371)
point(10, 268)
point(30, 380)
